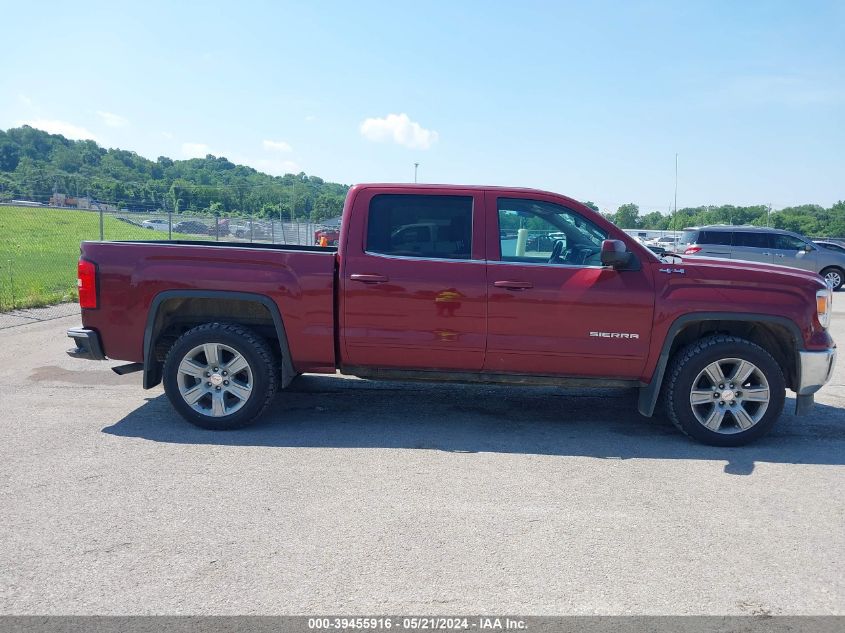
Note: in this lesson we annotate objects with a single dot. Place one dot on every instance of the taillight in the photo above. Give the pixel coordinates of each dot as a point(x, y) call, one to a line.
point(86, 283)
point(691, 250)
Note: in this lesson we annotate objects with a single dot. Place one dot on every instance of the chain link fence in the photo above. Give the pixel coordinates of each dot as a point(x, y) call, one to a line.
point(39, 246)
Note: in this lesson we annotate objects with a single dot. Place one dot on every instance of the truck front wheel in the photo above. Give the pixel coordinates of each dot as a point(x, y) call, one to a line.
point(220, 376)
point(724, 390)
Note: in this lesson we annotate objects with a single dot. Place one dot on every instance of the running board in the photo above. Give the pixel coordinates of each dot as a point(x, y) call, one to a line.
point(122, 370)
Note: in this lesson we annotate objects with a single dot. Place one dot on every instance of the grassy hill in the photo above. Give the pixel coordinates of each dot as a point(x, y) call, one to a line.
point(34, 164)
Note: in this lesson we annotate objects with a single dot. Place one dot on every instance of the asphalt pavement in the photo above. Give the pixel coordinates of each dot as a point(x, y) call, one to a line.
point(359, 497)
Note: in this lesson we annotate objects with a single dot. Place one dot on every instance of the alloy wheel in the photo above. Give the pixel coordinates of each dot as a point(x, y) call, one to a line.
point(730, 395)
point(215, 379)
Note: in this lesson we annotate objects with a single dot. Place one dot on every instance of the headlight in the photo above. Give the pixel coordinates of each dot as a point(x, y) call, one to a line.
point(824, 306)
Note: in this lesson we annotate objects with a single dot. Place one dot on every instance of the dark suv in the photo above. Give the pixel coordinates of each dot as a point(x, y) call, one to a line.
point(769, 246)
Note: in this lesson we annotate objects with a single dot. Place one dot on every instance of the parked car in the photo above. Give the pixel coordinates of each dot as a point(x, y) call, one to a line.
point(767, 246)
point(246, 229)
point(831, 245)
point(657, 250)
point(667, 242)
point(192, 226)
point(332, 236)
point(224, 326)
point(155, 224)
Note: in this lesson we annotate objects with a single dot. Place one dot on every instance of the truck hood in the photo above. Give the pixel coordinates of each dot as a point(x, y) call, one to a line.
point(738, 271)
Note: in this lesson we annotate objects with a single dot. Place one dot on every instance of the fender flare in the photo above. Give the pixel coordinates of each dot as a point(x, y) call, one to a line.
point(650, 392)
point(152, 369)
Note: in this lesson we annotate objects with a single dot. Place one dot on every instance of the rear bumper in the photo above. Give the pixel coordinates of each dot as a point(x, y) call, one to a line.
point(87, 344)
point(815, 370)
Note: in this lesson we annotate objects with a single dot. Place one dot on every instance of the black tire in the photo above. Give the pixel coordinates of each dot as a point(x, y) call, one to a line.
point(691, 360)
point(256, 351)
point(838, 271)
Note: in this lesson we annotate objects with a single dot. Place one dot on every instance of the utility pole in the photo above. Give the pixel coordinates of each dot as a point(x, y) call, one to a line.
point(675, 213)
point(416, 166)
point(769, 214)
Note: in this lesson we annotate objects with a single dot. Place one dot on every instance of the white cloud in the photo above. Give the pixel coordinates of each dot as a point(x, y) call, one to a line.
point(400, 129)
point(195, 150)
point(310, 118)
point(25, 100)
point(111, 119)
point(167, 135)
point(277, 146)
point(68, 130)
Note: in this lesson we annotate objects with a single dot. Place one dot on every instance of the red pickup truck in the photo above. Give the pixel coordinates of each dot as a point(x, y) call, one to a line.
point(460, 283)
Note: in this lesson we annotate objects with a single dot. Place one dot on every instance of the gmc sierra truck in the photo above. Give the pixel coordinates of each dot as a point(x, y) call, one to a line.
point(460, 284)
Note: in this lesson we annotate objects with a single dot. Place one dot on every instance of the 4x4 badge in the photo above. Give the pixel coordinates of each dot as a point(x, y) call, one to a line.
point(672, 270)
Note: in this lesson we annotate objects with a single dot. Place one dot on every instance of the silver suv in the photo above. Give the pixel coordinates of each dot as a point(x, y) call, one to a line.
point(770, 246)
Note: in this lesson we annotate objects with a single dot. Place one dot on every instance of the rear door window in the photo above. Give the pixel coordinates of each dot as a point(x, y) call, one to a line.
point(410, 225)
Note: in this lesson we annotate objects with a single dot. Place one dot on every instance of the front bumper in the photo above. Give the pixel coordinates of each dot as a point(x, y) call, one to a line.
point(814, 370)
point(87, 344)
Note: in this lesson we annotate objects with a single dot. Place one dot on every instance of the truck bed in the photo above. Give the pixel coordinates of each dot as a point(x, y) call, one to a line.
point(299, 280)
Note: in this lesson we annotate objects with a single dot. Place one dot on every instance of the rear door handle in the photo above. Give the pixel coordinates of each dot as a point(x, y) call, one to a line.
point(367, 278)
point(513, 285)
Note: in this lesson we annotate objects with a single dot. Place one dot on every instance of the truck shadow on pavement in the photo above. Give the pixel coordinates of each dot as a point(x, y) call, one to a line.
point(330, 412)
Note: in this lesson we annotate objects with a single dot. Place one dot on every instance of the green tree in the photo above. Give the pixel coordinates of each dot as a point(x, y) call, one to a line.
point(627, 216)
point(9, 156)
point(655, 221)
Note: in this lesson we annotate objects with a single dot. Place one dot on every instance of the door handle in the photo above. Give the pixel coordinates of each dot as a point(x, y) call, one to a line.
point(766, 253)
point(367, 278)
point(778, 254)
point(513, 285)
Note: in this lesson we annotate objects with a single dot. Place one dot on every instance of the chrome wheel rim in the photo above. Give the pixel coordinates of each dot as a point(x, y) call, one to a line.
point(833, 278)
point(215, 380)
point(729, 396)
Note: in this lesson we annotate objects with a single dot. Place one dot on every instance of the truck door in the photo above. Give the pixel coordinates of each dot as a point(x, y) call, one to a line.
point(552, 308)
point(413, 285)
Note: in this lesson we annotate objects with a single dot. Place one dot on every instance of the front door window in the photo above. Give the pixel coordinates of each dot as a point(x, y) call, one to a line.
point(538, 232)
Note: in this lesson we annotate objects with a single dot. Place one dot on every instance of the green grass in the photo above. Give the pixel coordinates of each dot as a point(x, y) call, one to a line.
point(39, 249)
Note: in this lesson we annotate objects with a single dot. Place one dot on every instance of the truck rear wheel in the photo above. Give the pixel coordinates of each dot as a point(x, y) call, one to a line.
point(220, 376)
point(724, 391)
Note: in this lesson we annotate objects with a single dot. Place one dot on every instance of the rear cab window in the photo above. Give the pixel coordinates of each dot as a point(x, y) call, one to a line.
point(419, 225)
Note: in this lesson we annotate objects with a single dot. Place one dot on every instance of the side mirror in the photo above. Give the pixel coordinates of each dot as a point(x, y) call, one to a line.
point(808, 248)
point(614, 254)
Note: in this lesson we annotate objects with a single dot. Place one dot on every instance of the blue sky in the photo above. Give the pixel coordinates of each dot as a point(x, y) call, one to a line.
point(588, 99)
